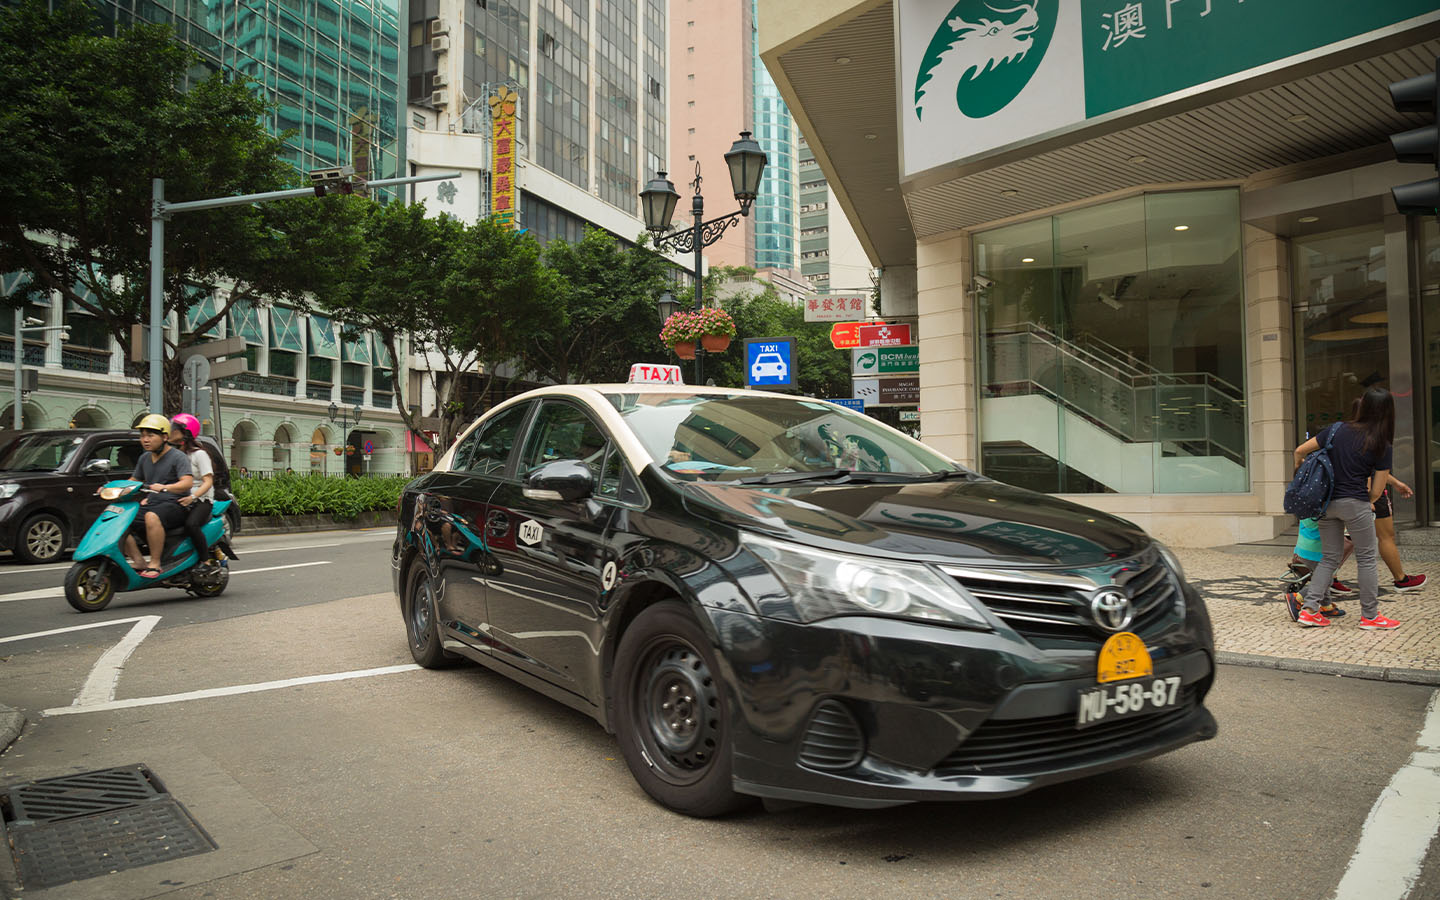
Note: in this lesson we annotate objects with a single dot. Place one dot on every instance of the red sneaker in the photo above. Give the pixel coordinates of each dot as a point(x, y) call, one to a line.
point(1379, 623)
point(1338, 587)
point(1308, 619)
point(1410, 583)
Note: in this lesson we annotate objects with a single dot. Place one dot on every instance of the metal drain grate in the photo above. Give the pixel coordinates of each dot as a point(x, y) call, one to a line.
point(81, 826)
point(80, 795)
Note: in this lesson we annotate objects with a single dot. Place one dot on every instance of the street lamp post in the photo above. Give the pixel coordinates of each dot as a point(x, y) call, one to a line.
point(343, 414)
point(746, 162)
point(23, 325)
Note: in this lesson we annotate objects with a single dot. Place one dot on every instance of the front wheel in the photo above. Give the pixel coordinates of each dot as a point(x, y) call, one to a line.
point(671, 720)
point(90, 585)
point(211, 585)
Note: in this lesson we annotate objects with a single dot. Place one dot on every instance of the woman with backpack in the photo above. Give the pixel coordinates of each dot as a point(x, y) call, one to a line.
point(1360, 454)
point(184, 431)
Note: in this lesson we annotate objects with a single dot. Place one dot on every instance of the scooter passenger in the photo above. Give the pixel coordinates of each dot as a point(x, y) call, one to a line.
point(166, 471)
point(184, 432)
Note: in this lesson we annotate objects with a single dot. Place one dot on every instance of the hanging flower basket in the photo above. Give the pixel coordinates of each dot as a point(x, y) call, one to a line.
point(715, 343)
point(681, 328)
point(716, 328)
point(684, 349)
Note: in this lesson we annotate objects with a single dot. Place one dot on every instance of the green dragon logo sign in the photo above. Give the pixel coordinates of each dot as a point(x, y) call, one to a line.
point(982, 57)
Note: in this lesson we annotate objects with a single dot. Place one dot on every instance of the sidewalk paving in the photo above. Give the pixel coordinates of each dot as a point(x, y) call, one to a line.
point(1243, 590)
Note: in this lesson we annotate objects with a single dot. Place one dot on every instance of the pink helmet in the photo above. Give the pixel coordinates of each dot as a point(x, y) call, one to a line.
point(187, 422)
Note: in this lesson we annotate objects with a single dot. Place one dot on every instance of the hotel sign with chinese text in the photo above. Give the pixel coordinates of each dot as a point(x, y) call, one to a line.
point(502, 156)
point(836, 308)
point(976, 75)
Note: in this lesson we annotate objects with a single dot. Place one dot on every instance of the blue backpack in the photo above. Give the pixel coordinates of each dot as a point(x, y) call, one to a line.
point(1308, 495)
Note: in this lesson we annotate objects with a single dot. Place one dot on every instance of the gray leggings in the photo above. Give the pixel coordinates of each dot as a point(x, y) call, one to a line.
point(1359, 517)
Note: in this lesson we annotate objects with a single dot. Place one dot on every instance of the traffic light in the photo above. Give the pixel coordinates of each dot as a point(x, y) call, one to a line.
point(1418, 145)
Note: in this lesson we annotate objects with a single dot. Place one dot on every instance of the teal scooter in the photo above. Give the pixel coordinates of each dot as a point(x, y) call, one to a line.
point(101, 570)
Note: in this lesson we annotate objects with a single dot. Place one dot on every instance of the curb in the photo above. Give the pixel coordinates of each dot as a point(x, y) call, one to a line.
point(263, 525)
point(11, 721)
point(1427, 677)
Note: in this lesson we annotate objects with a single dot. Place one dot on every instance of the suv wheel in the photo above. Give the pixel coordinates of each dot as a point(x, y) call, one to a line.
point(42, 539)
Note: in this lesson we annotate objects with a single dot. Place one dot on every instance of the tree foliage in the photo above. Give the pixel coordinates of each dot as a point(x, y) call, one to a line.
point(823, 371)
point(86, 122)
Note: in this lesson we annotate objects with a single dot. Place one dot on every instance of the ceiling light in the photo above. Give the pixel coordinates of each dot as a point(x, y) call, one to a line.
point(842, 60)
point(1298, 118)
point(1349, 334)
point(890, 188)
point(1138, 158)
point(1182, 227)
point(1028, 259)
point(1381, 317)
point(1308, 219)
point(870, 135)
point(1010, 193)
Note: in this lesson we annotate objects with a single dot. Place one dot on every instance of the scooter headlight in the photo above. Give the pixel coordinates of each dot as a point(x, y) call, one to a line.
point(114, 493)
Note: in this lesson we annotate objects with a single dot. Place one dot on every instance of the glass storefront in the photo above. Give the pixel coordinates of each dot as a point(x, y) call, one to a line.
point(1341, 334)
point(1112, 347)
point(1428, 378)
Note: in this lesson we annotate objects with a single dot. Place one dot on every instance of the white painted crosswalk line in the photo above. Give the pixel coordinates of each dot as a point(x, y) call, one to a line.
point(55, 593)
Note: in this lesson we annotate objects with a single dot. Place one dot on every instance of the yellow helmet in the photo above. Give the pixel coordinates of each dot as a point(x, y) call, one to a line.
point(154, 422)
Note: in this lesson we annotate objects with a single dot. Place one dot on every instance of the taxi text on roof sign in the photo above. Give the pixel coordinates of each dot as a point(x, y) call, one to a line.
point(654, 373)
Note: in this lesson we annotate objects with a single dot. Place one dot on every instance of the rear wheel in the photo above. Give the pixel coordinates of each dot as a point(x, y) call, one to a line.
point(42, 539)
point(421, 628)
point(90, 585)
point(671, 720)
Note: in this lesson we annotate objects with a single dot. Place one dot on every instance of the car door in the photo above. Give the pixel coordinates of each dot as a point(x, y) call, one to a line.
point(449, 521)
point(544, 599)
point(121, 453)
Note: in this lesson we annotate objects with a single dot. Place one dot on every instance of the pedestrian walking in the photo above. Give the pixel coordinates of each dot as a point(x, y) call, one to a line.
point(1361, 454)
point(1303, 562)
point(1385, 534)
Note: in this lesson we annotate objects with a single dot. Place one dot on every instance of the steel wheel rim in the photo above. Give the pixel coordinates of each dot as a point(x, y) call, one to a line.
point(680, 720)
point(95, 585)
point(420, 614)
point(43, 539)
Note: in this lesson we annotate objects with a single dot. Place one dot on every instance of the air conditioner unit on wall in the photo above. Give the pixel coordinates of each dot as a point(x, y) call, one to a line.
point(438, 80)
point(439, 26)
point(439, 98)
point(440, 43)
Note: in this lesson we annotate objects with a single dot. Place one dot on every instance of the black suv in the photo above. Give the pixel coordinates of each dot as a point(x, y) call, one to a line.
point(48, 481)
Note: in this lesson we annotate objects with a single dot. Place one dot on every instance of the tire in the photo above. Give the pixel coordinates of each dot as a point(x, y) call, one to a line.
point(41, 539)
point(213, 590)
point(422, 631)
point(232, 523)
point(670, 714)
point(90, 585)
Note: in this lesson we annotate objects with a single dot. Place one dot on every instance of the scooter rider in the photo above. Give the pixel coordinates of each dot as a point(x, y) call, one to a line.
point(167, 472)
point(184, 431)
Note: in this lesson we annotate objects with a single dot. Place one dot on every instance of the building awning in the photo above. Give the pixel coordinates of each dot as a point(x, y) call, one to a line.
point(12, 283)
point(286, 332)
point(837, 71)
point(383, 359)
point(357, 348)
point(201, 309)
point(245, 321)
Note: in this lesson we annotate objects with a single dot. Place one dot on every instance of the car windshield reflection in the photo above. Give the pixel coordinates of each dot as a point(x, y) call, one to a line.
point(731, 437)
point(39, 453)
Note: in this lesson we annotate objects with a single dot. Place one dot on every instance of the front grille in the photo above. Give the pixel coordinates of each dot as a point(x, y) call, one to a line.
point(1055, 610)
point(1020, 746)
point(832, 739)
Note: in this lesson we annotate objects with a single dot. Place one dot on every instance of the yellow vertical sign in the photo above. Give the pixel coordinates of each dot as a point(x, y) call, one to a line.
point(502, 157)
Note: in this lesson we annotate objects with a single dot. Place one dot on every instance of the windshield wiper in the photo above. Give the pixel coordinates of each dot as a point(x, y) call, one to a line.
point(842, 476)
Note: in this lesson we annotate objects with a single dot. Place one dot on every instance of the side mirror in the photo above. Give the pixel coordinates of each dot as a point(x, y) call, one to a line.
point(563, 479)
point(96, 467)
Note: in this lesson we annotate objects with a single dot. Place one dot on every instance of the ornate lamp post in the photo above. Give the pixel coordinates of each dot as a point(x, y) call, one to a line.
point(746, 162)
point(344, 415)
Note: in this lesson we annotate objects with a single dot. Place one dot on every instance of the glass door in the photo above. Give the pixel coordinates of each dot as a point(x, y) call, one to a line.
point(1427, 382)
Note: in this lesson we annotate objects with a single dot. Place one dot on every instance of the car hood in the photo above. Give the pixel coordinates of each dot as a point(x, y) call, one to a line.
point(978, 522)
point(34, 479)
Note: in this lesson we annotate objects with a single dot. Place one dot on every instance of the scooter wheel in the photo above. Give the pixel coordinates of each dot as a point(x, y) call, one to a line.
point(90, 585)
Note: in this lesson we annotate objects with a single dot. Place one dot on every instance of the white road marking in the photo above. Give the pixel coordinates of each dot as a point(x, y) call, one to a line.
point(58, 592)
point(100, 684)
point(25, 570)
point(227, 691)
point(86, 627)
point(299, 547)
point(1401, 824)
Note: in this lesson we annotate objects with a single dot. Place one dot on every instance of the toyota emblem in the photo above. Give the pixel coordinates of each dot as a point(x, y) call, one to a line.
point(1111, 609)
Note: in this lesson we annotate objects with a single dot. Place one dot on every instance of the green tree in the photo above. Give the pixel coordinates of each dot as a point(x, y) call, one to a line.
point(460, 294)
point(823, 370)
point(602, 317)
point(86, 121)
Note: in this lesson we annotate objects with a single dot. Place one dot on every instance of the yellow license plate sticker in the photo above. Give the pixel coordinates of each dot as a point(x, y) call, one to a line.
point(1123, 657)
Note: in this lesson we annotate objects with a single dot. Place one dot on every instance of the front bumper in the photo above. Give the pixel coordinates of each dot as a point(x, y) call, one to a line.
point(872, 712)
point(10, 517)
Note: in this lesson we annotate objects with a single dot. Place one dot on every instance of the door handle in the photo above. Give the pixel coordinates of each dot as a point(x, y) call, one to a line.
point(496, 524)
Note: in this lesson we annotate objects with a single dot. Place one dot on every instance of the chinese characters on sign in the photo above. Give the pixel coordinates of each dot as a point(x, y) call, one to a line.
point(502, 157)
point(1122, 25)
point(849, 308)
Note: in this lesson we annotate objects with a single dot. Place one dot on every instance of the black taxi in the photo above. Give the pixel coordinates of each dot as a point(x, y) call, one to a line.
point(765, 595)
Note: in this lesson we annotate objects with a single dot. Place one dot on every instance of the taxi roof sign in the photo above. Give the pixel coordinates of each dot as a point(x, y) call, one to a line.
point(654, 373)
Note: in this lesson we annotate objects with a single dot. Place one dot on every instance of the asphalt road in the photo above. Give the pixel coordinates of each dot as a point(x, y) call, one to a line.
point(411, 783)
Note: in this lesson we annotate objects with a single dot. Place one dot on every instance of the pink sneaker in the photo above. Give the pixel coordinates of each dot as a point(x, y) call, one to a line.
point(1379, 623)
point(1308, 619)
point(1410, 583)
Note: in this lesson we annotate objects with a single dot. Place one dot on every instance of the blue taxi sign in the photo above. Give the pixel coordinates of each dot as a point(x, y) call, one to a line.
point(851, 403)
point(770, 362)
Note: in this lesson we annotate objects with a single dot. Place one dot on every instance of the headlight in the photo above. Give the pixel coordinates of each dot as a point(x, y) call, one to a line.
point(1171, 560)
point(822, 585)
point(113, 493)
point(9, 490)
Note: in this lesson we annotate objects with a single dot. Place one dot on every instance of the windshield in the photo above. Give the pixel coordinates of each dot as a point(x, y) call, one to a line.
point(39, 452)
point(729, 437)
